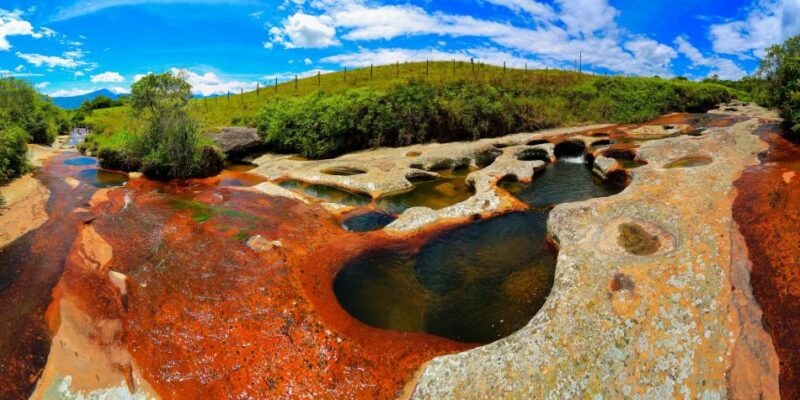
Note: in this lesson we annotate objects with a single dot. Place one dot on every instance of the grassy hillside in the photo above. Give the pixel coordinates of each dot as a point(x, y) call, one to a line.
point(534, 99)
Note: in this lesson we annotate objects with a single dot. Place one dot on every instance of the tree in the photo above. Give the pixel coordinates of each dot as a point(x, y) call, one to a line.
point(780, 68)
point(169, 144)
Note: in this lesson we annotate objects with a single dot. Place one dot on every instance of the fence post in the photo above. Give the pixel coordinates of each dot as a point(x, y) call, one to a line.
point(345, 74)
point(454, 67)
point(258, 89)
point(241, 95)
point(427, 69)
point(580, 62)
point(276, 85)
point(398, 68)
point(370, 71)
point(504, 67)
point(295, 82)
point(229, 95)
point(472, 64)
point(319, 78)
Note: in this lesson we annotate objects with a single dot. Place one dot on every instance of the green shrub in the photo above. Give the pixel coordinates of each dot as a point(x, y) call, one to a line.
point(13, 153)
point(21, 105)
point(167, 144)
point(780, 69)
point(328, 124)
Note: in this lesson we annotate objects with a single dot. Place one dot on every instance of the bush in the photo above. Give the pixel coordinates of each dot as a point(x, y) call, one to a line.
point(21, 105)
point(13, 153)
point(168, 144)
point(326, 125)
point(780, 69)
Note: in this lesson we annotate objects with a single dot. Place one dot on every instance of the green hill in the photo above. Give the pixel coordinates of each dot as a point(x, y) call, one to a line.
point(485, 100)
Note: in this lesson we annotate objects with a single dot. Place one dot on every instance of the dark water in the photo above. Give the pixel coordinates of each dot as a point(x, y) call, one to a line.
point(690, 162)
point(476, 283)
point(436, 194)
point(567, 180)
point(328, 193)
point(369, 221)
point(103, 179)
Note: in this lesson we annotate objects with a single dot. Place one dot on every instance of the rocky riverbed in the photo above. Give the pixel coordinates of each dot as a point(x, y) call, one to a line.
point(224, 287)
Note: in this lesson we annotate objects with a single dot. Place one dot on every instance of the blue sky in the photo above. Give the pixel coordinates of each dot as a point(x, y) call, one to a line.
point(71, 47)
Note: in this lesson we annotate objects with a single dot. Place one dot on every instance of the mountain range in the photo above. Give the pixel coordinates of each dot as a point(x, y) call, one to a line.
point(74, 102)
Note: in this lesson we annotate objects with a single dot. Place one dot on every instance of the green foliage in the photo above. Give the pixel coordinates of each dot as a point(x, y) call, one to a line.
point(328, 124)
point(21, 105)
point(780, 69)
point(167, 143)
point(13, 153)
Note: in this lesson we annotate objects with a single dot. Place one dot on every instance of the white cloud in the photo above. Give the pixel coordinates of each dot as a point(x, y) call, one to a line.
point(534, 8)
point(365, 57)
point(70, 92)
point(767, 22)
point(107, 77)
point(78, 74)
point(81, 7)
point(12, 24)
point(587, 16)
point(722, 67)
point(557, 36)
point(19, 68)
point(308, 61)
point(137, 77)
point(42, 85)
point(119, 90)
point(306, 31)
point(50, 61)
point(209, 83)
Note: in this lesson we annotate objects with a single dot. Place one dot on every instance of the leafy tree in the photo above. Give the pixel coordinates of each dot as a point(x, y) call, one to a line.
point(21, 105)
point(169, 145)
point(780, 68)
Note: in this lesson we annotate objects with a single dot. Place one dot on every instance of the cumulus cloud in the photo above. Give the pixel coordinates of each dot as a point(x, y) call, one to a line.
point(556, 36)
point(209, 83)
point(767, 22)
point(365, 57)
point(70, 92)
point(305, 31)
point(722, 67)
point(107, 77)
point(12, 24)
point(50, 61)
point(42, 85)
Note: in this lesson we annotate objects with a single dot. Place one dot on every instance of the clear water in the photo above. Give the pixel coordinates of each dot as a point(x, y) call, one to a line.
point(476, 283)
point(369, 221)
point(81, 161)
point(103, 179)
point(433, 193)
point(567, 180)
point(328, 193)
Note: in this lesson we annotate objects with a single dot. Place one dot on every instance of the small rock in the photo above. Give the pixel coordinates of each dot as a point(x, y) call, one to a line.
point(258, 244)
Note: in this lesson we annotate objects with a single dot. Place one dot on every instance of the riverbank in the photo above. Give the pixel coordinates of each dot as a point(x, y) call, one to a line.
point(227, 285)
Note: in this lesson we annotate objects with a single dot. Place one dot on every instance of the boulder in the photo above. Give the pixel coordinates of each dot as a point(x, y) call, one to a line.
point(236, 142)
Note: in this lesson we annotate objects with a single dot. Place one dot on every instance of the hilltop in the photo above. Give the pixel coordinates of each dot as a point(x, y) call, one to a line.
point(559, 97)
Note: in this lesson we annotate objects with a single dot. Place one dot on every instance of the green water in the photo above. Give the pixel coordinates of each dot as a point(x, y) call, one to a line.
point(476, 283)
point(433, 193)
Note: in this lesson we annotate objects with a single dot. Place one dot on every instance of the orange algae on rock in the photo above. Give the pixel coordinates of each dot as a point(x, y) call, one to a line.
point(206, 316)
point(767, 210)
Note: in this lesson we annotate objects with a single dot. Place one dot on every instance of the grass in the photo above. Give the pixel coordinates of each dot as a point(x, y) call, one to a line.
point(540, 99)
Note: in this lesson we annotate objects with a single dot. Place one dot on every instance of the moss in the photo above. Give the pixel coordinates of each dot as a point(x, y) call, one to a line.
point(635, 240)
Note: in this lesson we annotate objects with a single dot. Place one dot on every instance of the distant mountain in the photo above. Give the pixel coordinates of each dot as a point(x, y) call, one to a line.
point(74, 102)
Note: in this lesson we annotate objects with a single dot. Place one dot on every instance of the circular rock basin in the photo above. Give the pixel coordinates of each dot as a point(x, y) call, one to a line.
point(343, 171)
point(240, 167)
point(689, 162)
point(475, 283)
point(434, 193)
point(369, 221)
point(103, 179)
point(81, 161)
point(327, 193)
point(561, 182)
